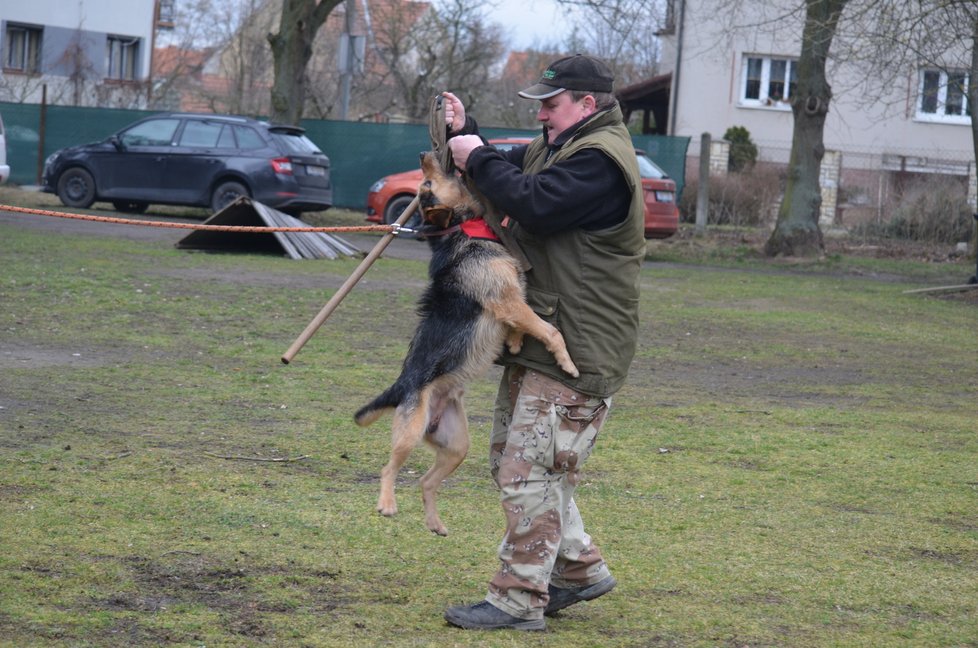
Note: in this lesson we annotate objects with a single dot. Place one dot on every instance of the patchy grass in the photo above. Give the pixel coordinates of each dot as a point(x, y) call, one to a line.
point(854, 255)
point(792, 462)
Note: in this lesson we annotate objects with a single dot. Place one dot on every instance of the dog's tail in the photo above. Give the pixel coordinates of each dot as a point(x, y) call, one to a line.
point(391, 398)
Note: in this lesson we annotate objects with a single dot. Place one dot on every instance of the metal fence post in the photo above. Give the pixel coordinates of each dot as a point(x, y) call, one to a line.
point(703, 192)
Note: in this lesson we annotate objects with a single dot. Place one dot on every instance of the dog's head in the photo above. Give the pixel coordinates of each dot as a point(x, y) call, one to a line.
point(443, 198)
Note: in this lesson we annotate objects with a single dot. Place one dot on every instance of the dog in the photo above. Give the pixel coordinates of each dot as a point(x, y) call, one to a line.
point(473, 304)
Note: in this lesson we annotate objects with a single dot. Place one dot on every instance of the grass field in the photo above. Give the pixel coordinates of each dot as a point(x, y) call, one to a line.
point(794, 461)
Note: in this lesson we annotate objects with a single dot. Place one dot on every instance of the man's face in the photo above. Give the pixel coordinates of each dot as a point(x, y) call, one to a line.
point(560, 112)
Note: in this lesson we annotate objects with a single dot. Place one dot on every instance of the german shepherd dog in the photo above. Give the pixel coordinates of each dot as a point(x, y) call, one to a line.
point(475, 302)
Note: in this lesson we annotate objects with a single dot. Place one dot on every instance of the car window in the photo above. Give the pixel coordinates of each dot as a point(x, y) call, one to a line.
point(248, 138)
point(295, 142)
point(201, 134)
point(226, 140)
point(155, 132)
point(649, 169)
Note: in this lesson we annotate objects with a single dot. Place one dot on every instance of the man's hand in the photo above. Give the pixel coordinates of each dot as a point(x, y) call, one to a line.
point(461, 147)
point(454, 112)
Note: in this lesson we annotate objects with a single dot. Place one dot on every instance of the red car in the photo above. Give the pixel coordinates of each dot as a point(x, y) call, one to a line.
point(661, 210)
point(390, 196)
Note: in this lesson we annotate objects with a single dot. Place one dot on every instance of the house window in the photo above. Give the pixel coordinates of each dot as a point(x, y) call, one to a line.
point(123, 54)
point(768, 81)
point(943, 97)
point(166, 14)
point(23, 49)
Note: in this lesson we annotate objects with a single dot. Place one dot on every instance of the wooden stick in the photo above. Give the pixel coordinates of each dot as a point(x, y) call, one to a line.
point(347, 286)
point(957, 288)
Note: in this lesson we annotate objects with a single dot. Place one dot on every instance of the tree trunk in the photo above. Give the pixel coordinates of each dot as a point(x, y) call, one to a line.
point(291, 51)
point(797, 232)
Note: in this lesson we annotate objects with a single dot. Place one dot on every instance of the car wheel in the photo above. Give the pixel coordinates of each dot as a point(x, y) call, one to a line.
point(130, 206)
point(76, 188)
point(394, 210)
point(226, 193)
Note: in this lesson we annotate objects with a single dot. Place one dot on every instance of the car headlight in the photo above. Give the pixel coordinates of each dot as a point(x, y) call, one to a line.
point(377, 186)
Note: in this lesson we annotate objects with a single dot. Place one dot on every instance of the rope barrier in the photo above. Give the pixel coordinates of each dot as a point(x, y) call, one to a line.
point(199, 226)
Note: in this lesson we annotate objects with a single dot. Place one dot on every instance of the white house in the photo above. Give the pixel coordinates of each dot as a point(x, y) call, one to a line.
point(722, 77)
point(84, 52)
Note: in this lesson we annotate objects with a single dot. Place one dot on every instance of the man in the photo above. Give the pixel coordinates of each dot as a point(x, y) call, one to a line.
point(573, 198)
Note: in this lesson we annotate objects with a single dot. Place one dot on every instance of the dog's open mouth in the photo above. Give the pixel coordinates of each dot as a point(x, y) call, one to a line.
point(438, 215)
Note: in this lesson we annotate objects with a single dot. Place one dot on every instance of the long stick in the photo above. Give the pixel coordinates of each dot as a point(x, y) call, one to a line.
point(348, 285)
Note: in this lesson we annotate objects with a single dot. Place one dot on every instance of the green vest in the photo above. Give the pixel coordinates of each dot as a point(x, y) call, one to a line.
point(586, 282)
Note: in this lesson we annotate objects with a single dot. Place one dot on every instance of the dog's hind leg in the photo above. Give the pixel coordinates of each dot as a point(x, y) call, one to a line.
point(410, 422)
point(450, 438)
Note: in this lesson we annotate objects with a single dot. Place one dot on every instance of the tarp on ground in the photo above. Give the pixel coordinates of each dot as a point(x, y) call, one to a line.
point(245, 212)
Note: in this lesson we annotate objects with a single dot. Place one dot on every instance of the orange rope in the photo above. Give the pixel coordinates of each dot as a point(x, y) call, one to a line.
point(193, 226)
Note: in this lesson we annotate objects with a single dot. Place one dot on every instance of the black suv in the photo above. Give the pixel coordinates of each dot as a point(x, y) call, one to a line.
point(194, 159)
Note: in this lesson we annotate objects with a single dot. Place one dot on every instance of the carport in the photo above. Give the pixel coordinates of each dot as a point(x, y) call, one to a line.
point(650, 96)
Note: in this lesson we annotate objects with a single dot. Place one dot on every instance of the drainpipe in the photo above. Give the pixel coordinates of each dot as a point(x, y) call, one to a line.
point(152, 53)
point(674, 92)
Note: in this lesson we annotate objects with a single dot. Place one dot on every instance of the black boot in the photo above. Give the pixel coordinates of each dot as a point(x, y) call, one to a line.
point(561, 598)
point(485, 616)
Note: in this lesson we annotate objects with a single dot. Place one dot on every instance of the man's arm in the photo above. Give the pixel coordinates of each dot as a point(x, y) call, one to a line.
point(587, 190)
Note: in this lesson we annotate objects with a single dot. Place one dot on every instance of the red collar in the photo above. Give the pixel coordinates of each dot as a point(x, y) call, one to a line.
point(479, 229)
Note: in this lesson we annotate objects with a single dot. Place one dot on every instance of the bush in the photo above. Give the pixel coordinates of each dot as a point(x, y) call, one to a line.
point(741, 199)
point(743, 151)
point(933, 209)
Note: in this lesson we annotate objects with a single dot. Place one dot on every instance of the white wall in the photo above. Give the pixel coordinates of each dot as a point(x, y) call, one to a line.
point(118, 17)
point(709, 90)
point(126, 17)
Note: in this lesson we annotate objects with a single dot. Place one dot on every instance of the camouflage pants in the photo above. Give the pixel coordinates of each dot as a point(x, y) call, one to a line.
point(543, 431)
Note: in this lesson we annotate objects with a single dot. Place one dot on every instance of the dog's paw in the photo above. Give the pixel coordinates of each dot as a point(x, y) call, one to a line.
point(569, 367)
point(387, 509)
point(514, 341)
point(437, 528)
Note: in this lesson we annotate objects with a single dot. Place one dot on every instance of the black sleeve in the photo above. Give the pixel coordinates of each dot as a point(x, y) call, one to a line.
point(471, 127)
point(587, 190)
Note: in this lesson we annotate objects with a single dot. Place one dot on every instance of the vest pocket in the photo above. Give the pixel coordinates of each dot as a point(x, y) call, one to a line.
point(545, 304)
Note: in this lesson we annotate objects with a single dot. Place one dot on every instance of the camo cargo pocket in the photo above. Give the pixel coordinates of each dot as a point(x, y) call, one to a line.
point(575, 434)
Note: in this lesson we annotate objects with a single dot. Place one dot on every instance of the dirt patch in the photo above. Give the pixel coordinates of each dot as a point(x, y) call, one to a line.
point(181, 578)
point(15, 355)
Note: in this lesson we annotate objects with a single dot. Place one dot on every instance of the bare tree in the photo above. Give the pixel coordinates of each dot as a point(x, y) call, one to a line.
point(180, 53)
point(291, 51)
point(935, 38)
point(420, 50)
point(886, 41)
point(216, 58)
point(797, 232)
point(621, 32)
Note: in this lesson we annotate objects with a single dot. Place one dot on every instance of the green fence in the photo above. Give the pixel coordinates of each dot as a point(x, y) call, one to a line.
point(360, 153)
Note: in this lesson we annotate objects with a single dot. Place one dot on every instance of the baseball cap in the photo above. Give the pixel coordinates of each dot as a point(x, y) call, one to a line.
point(578, 72)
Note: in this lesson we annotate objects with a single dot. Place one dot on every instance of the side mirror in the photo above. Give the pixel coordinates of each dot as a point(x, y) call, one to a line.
point(117, 143)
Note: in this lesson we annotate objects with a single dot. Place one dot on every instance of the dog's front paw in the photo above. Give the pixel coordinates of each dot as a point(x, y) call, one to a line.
point(569, 367)
point(387, 508)
point(514, 341)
